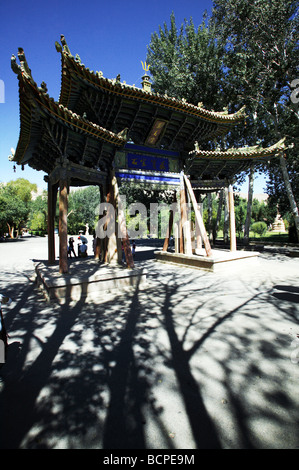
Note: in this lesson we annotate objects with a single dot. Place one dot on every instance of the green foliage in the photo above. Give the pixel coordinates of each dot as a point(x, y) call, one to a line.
point(187, 63)
point(261, 61)
point(240, 215)
point(246, 54)
point(15, 198)
point(82, 209)
point(38, 214)
point(259, 228)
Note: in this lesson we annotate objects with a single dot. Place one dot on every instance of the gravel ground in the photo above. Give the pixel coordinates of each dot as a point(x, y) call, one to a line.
point(194, 360)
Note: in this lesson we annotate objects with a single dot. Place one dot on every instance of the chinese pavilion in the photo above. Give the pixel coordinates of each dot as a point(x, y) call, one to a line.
point(103, 132)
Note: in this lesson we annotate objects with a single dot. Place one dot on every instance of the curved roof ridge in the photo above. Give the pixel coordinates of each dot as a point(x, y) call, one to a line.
point(243, 152)
point(115, 86)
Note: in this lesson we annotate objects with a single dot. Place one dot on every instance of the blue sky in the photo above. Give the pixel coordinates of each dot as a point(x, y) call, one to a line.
point(108, 36)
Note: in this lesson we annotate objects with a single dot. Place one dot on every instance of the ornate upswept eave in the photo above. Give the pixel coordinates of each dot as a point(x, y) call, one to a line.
point(226, 165)
point(73, 67)
point(35, 104)
point(244, 153)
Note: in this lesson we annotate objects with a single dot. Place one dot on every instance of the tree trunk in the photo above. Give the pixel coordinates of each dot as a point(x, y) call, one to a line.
point(249, 207)
point(220, 204)
point(290, 194)
point(226, 218)
point(10, 230)
point(209, 196)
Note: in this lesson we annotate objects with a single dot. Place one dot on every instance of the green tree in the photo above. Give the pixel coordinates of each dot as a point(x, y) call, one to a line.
point(82, 208)
point(38, 214)
point(261, 60)
point(259, 228)
point(240, 214)
point(187, 63)
point(15, 198)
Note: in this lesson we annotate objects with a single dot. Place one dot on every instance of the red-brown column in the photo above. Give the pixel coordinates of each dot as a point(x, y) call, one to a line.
point(170, 225)
point(52, 197)
point(63, 192)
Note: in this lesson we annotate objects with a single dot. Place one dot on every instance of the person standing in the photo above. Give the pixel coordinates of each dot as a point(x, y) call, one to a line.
point(71, 248)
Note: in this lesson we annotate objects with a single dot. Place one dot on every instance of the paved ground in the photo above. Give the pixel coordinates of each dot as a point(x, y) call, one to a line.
point(195, 360)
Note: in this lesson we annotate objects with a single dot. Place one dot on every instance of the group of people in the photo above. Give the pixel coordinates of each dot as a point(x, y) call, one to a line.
point(82, 248)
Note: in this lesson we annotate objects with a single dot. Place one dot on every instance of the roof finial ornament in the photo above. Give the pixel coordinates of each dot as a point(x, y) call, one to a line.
point(15, 67)
point(145, 66)
point(64, 44)
point(24, 65)
point(146, 84)
point(43, 88)
point(23, 68)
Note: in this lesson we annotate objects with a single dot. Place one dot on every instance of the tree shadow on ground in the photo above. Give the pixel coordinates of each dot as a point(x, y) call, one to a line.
point(98, 375)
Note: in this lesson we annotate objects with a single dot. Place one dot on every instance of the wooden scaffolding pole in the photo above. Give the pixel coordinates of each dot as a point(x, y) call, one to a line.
point(198, 218)
point(183, 219)
point(63, 196)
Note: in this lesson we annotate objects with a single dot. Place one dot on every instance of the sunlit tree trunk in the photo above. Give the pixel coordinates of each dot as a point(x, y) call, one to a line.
point(249, 207)
point(290, 194)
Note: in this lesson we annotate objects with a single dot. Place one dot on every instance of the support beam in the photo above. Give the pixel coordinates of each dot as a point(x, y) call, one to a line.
point(232, 223)
point(198, 218)
point(63, 203)
point(52, 197)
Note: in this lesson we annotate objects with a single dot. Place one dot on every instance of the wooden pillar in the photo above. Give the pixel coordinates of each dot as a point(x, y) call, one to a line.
point(183, 210)
point(52, 197)
point(111, 255)
point(198, 218)
point(170, 225)
point(124, 237)
point(63, 203)
point(232, 223)
point(198, 241)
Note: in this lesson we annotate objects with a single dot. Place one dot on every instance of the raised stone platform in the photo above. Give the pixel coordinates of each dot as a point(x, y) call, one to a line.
point(220, 260)
point(86, 279)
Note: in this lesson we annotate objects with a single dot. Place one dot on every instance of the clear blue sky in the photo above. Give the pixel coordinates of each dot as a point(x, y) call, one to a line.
point(111, 36)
